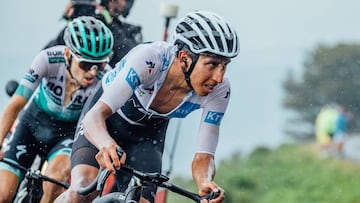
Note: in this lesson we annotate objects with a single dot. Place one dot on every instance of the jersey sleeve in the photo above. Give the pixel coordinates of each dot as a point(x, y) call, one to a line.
point(213, 112)
point(38, 70)
point(132, 71)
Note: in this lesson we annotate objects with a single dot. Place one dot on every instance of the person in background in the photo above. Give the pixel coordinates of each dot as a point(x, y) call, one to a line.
point(341, 131)
point(331, 129)
point(63, 77)
point(112, 13)
point(153, 83)
point(325, 128)
point(126, 35)
point(77, 8)
point(73, 9)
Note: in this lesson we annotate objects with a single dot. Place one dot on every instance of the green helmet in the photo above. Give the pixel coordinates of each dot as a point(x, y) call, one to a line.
point(90, 38)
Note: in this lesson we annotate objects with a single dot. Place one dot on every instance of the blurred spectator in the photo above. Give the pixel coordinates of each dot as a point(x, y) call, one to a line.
point(76, 8)
point(72, 10)
point(341, 130)
point(126, 35)
point(331, 129)
point(325, 128)
point(112, 13)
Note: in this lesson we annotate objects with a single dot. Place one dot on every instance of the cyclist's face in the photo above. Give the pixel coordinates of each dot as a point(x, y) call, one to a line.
point(208, 72)
point(87, 65)
point(83, 72)
point(116, 7)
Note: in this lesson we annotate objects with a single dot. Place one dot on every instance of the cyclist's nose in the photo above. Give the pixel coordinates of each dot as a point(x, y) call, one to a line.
point(93, 71)
point(218, 74)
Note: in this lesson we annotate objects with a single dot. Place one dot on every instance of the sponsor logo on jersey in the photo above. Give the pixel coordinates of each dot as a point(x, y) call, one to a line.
point(55, 57)
point(213, 117)
point(151, 66)
point(121, 64)
point(55, 54)
point(80, 131)
point(31, 76)
point(165, 62)
point(133, 79)
point(185, 109)
point(52, 77)
point(56, 60)
point(79, 100)
point(21, 150)
point(110, 76)
point(56, 89)
point(227, 94)
point(149, 90)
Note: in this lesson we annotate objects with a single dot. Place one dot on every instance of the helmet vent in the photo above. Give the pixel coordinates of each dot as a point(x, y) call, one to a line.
point(206, 32)
point(89, 37)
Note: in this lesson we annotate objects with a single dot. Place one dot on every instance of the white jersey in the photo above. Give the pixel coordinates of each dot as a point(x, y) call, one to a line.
point(142, 72)
point(48, 72)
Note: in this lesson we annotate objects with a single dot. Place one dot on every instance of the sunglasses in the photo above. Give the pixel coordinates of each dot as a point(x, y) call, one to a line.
point(87, 65)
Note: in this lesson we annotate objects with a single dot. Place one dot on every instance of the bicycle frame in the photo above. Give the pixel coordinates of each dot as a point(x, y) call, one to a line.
point(30, 188)
point(133, 192)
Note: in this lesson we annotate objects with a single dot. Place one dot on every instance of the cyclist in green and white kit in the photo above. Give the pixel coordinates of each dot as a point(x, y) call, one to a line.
point(51, 97)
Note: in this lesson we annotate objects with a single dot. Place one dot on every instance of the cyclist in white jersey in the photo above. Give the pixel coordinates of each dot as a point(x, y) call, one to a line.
point(153, 83)
point(60, 79)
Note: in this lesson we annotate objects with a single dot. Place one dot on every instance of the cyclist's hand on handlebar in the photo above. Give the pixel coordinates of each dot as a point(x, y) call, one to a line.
point(211, 190)
point(108, 157)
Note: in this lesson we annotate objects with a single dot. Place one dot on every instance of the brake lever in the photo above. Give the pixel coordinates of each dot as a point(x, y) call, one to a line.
point(211, 195)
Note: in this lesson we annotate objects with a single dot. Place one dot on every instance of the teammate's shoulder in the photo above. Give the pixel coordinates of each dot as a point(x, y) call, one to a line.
point(155, 45)
point(160, 48)
point(57, 50)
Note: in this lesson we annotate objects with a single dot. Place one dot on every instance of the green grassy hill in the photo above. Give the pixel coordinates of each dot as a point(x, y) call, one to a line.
point(290, 174)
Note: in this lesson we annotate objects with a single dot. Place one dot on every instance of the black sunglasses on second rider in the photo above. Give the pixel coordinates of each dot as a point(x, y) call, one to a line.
point(88, 65)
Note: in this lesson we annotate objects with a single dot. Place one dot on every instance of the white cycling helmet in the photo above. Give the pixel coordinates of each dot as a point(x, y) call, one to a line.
point(207, 32)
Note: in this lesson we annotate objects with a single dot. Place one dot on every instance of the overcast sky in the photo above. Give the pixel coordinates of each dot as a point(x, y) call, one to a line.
point(275, 36)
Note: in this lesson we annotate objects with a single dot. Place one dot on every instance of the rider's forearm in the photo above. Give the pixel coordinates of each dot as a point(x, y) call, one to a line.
point(95, 128)
point(7, 119)
point(203, 168)
point(97, 134)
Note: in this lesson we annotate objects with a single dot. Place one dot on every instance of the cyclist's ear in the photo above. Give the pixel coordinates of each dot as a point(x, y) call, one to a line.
point(66, 52)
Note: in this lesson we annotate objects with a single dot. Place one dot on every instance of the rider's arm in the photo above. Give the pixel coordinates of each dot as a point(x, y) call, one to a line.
point(203, 170)
point(96, 132)
point(9, 115)
point(203, 165)
point(23, 93)
point(118, 85)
